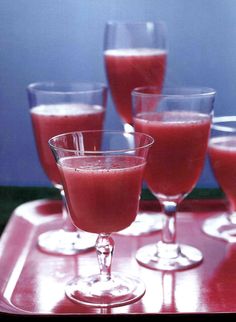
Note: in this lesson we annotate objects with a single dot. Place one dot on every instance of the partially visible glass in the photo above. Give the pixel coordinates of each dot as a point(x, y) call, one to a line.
point(135, 54)
point(179, 120)
point(222, 156)
point(102, 177)
point(56, 108)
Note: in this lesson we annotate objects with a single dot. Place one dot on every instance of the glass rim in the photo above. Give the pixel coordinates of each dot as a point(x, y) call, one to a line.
point(47, 87)
point(136, 22)
point(133, 134)
point(172, 92)
point(219, 123)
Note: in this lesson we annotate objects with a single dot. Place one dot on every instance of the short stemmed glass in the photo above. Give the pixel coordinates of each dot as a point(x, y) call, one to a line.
point(179, 120)
point(56, 108)
point(135, 54)
point(102, 183)
point(222, 157)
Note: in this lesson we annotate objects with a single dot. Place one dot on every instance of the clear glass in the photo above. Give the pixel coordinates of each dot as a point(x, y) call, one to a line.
point(135, 54)
point(179, 120)
point(222, 157)
point(56, 108)
point(97, 170)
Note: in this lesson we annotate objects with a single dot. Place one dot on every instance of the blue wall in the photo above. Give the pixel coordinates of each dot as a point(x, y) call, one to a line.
point(63, 40)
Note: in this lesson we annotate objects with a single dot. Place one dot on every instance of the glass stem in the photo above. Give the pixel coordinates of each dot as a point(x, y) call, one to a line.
point(67, 224)
point(169, 229)
point(104, 248)
point(168, 248)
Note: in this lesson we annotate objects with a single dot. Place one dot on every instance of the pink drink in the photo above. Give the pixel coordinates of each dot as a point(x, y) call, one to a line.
point(222, 153)
point(102, 192)
point(177, 156)
point(130, 68)
point(51, 120)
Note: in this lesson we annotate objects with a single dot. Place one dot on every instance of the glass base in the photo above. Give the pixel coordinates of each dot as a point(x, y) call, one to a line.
point(220, 227)
point(119, 290)
point(186, 257)
point(144, 224)
point(61, 242)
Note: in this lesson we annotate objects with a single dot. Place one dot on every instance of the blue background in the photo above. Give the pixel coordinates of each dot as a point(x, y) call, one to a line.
point(63, 40)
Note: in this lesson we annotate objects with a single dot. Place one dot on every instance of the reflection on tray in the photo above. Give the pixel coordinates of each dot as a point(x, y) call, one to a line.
point(33, 282)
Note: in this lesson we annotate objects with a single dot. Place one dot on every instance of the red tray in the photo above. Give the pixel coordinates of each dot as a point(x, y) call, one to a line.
point(32, 282)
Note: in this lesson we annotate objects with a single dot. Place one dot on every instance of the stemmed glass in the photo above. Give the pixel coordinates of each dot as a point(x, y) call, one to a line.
point(102, 177)
point(222, 156)
point(135, 54)
point(179, 120)
point(56, 108)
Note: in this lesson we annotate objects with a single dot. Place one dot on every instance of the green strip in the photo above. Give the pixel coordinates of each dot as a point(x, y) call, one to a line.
point(11, 197)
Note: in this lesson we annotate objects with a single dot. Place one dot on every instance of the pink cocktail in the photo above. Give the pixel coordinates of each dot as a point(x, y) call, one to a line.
point(55, 108)
point(130, 68)
point(222, 153)
point(179, 120)
point(135, 54)
point(174, 162)
point(222, 157)
point(96, 199)
point(102, 187)
point(54, 119)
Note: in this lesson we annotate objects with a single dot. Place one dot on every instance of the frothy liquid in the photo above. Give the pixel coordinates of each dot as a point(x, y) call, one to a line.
point(54, 119)
point(66, 109)
point(102, 192)
point(136, 52)
point(177, 156)
point(130, 68)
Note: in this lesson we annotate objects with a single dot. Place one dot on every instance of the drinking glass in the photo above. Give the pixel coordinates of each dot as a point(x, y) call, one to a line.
point(179, 120)
point(135, 54)
point(222, 156)
point(56, 108)
point(102, 176)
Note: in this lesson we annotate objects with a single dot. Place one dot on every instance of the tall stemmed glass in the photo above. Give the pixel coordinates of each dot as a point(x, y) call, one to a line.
point(135, 54)
point(179, 120)
point(222, 156)
point(102, 183)
point(56, 108)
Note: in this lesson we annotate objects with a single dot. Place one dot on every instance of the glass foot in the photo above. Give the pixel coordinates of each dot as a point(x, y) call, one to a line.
point(119, 290)
point(61, 242)
point(186, 257)
point(144, 223)
point(220, 227)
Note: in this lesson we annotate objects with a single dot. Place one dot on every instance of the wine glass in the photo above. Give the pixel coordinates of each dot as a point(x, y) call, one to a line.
point(222, 156)
point(179, 120)
point(56, 108)
point(135, 54)
point(102, 176)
